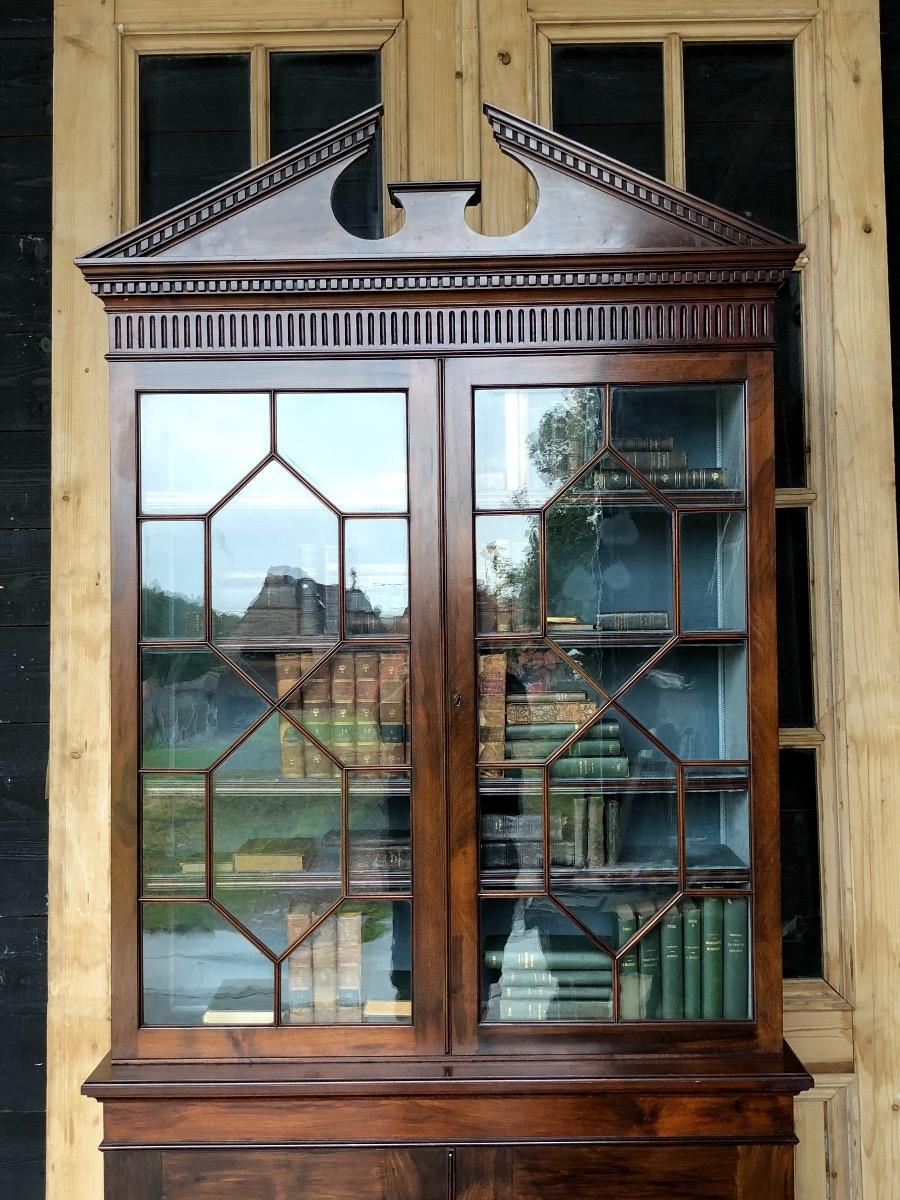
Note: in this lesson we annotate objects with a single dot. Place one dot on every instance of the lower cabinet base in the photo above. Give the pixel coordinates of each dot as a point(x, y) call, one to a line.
point(519, 1172)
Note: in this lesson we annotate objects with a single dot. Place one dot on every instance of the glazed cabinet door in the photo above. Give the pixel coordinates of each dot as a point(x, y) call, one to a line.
point(614, 809)
point(285, 785)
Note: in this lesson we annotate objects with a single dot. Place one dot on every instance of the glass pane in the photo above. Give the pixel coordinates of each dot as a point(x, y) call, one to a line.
point(376, 577)
point(199, 970)
point(276, 833)
point(692, 965)
point(739, 129)
point(363, 470)
point(172, 581)
point(379, 831)
point(529, 694)
point(713, 571)
point(611, 99)
point(357, 705)
point(354, 969)
point(194, 125)
point(801, 902)
point(312, 92)
point(681, 438)
point(609, 565)
point(790, 439)
point(695, 701)
point(274, 570)
point(795, 685)
point(511, 829)
point(538, 966)
point(277, 672)
point(196, 446)
point(529, 441)
point(194, 707)
point(717, 830)
point(507, 563)
point(173, 835)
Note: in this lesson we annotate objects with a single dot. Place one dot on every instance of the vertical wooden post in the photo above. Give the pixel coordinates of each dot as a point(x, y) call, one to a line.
point(85, 212)
point(865, 573)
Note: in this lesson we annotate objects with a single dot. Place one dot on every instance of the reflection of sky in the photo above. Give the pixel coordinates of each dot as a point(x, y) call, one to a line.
point(273, 522)
point(172, 557)
point(351, 446)
point(377, 552)
point(195, 447)
point(505, 418)
point(503, 543)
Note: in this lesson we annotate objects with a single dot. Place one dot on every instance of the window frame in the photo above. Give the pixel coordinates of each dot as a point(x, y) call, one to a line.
point(833, 989)
point(385, 38)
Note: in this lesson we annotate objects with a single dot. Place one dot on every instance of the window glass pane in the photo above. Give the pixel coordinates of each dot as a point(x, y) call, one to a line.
point(194, 125)
point(172, 584)
point(739, 129)
point(790, 441)
point(312, 92)
point(611, 99)
point(795, 687)
point(801, 920)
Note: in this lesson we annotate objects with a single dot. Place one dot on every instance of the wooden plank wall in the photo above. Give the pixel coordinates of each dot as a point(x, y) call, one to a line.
point(25, 159)
point(461, 51)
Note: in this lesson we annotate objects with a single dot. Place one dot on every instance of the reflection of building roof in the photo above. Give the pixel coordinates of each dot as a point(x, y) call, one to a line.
point(292, 602)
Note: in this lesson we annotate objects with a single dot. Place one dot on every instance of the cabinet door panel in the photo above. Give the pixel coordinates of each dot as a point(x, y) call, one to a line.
point(596, 1173)
point(383, 1174)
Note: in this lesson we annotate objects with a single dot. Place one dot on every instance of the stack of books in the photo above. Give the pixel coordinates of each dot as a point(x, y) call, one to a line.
point(324, 973)
point(356, 704)
point(567, 980)
point(611, 622)
point(693, 966)
point(660, 464)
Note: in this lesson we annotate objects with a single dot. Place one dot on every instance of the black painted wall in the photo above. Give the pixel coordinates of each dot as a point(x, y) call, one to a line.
point(25, 97)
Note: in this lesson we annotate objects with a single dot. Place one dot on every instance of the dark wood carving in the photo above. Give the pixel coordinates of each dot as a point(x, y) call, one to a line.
point(226, 292)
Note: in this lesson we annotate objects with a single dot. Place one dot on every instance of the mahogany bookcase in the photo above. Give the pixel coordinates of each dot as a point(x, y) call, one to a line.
point(445, 847)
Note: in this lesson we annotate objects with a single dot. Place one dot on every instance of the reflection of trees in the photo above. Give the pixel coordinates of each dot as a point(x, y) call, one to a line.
point(568, 435)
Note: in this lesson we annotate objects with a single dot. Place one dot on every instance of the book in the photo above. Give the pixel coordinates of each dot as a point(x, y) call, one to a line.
point(559, 731)
point(558, 950)
point(508, 855)
point(672, 965)
point(299, 998)
point(343, 731)
point(629, 979)
point(285, 855)
point(555, 1010)
point(692, 938)
point(288, 671)
point(585, 748)
point(343, 679)
point(380, 1010)
point(685, 479)
point(626, 445)
point(349, 966)
point(736, 964)
point(597, 991)
point(565, 977)
point(324, 966)
point(655, 459)
point(595, 855)
point(518, 826)
point(590, 768)
point(711, 958)
point(241, 1002)
point(649, 966)
point(545, 697)
point(537, 712)
point(611, 814)
point(629, 622)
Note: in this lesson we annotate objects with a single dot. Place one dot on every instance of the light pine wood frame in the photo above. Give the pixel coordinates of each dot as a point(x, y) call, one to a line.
point(458, 53)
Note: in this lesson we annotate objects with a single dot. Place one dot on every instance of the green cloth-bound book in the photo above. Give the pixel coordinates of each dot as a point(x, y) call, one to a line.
point(736, 966)
point(672, 966)
point(558, 950)
point(649, 963)
point(713, 916)
point(557, 732)
point(629, 981)
point(692, 936)
point(590, 768)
